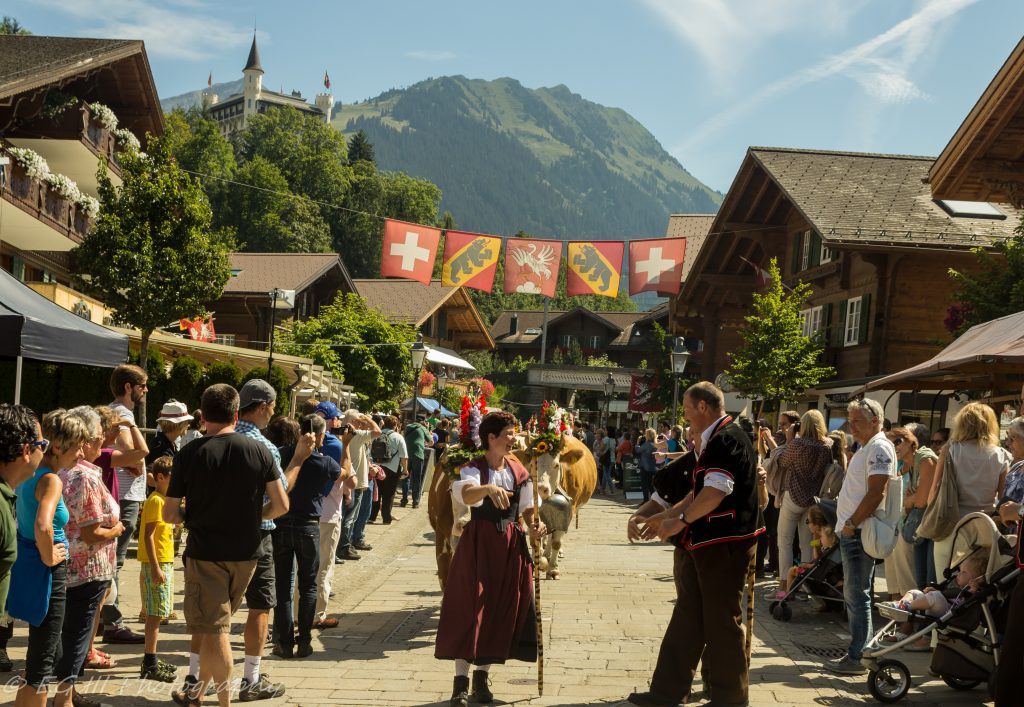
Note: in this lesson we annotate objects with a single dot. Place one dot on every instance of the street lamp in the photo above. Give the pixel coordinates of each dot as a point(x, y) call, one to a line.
point(419, 357)
point(609, 388)
point(680, 356)
point(442, 379)
point(287, 301)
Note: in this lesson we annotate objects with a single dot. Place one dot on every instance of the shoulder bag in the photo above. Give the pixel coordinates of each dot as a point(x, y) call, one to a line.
point(942, 514)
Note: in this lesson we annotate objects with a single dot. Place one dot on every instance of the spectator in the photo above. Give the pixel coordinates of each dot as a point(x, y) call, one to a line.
point(863, 489)
point(91, 531)
point(224, 539)
point(195, 428)
point(309, 406)
point(39, 577)
point(801, 466)
point(353, 521)
point(939, 438)
point(390, 453)
point(337, 505)
point(441, 439)
point(282, 432)
point(1009, 677)
point(128, 386)
point(921, 476)
point(623, 453)
point(417, 439)
point(21, 449)
point(297, 544)
point(721, 519)
point(605, 453)
point(156, 557)
point(980, 465)
point(647, 466)
point(173, 423)
point(1013, 488)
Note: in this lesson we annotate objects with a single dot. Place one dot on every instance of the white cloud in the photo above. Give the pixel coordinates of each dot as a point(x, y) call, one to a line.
point(879, 65)
point(179, 30)
point(431, 55)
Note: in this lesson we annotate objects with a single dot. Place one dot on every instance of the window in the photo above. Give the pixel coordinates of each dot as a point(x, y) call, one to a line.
point(226, 339)
point(811, 319)
point(970, 209)
point(805, 250)
point(566, 340)
point(853, 310)
point(826, 254)
point(594, 342)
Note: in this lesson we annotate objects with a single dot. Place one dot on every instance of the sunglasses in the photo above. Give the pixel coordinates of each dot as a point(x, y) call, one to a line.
point(938, 441)
point(43, 444)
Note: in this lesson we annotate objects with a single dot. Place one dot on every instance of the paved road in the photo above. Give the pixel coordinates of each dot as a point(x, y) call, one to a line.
point(603, 623)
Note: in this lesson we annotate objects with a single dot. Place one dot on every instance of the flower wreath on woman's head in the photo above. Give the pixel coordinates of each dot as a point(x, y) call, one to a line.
point(469, 447)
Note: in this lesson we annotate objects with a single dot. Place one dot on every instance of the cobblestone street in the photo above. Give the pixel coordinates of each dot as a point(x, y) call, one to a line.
point(602, 625)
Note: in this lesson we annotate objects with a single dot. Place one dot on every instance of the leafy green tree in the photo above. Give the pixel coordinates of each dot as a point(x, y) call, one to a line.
point(350, 339)
point(9, 25)
point(222, 372)
point(184, 381)
point(777, 362)
point(360, 148)
point(993, 289)
point(149, 256)
point(199, 146)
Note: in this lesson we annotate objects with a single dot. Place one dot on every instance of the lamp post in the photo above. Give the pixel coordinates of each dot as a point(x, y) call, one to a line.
point(609, 389)
point(442, 379)
point(287, 298)
point(419, 357)
point(680, 356)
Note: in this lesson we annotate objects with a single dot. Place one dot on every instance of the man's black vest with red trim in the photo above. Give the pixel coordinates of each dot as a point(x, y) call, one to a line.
point(737, 517)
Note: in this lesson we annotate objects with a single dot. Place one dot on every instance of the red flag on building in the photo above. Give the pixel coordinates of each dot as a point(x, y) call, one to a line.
point(209, 80)
point(594, 268)
point(200, 329)
point(764, 278)
point(409, 251)
point(641, 392)
point(470, 260)
point(656, 265)
point(327, 80)
point(531, 266)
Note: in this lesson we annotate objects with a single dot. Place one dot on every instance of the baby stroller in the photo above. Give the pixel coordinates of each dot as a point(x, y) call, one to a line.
point(968, 633)
point(823, 580)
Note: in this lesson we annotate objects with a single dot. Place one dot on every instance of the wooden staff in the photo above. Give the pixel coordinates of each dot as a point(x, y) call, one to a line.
point(750, 605)
point(536, 578)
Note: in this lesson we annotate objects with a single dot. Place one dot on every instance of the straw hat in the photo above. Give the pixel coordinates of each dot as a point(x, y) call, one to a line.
point(173, 411)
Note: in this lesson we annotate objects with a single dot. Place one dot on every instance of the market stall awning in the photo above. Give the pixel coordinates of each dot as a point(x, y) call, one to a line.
point(988, 356)
point(428, 406)
point(446, 357)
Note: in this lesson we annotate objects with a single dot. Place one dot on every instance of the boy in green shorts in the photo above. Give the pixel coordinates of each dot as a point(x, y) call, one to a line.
point(156, 554)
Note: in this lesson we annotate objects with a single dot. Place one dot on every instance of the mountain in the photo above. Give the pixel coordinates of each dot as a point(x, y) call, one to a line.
point(545, 160)
point(195, 98)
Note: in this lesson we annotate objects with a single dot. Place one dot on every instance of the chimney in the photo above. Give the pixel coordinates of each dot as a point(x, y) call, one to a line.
point(513, 325)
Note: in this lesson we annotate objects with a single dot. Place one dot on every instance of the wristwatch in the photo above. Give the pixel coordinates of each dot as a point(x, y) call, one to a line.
point(849, 524)
point(682, 517)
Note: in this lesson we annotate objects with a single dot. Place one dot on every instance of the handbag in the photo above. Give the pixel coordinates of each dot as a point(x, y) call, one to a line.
point(31, 582)
point(942, 514)
point(910, 525)
point(879, 532)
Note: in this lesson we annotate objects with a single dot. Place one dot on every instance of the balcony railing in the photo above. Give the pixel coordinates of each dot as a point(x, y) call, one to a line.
point(77, 122)
point(39, 200)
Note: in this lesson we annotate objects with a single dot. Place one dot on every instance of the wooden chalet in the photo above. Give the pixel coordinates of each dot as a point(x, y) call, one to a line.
point(865, 232)
point(446, 316)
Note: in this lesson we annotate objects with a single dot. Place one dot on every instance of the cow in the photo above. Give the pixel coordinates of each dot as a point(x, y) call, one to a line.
point(448, 516)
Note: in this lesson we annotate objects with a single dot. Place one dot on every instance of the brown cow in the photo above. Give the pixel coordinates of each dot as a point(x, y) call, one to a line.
point(441, 509)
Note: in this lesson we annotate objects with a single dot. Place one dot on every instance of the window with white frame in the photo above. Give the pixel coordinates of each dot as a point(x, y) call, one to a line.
point(826, 254)
point(566, 340)
point(594, 342)
point(805, 250)
point(226, 339)
point(853, 308)
point(811, 321)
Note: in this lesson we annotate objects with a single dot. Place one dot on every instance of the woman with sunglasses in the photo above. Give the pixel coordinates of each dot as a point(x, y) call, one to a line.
point(38, 587)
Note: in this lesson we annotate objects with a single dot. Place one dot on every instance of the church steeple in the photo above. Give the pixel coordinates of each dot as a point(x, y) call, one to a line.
point(254, 57)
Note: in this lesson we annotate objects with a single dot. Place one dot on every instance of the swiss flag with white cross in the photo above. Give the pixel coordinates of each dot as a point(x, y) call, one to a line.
point(656, 265)
point(409, 251)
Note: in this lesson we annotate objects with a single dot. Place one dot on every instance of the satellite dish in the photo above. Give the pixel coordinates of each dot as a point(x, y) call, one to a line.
point(724, 382)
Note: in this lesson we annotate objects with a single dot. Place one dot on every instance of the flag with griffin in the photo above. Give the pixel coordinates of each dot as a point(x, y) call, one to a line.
point(531, 266)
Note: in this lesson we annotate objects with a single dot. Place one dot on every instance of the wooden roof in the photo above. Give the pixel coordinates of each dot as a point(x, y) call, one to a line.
point(259, 273)
point(622, 323)
point(114, 72)
point(984, 160)
point(415, 303)
point(694, 228)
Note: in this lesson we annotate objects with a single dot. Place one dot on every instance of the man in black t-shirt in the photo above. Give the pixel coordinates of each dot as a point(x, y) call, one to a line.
point(224, 477)
point(297, 542)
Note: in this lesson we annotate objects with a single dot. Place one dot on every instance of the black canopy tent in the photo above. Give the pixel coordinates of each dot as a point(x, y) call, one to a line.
point(32, 326)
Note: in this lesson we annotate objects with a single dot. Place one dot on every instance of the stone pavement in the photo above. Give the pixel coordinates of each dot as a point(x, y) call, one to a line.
point(603, 622)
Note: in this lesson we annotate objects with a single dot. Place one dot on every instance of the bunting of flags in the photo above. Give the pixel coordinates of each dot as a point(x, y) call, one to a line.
point(531, 265)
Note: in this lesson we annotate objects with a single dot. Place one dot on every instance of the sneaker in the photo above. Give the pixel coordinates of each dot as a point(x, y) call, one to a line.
point(158, 672)
point(262, 689)
point(304, 650)
point(348, 554)
point(362, 546)
point(845, 666)
point(6, 664)
point(283, 651)
point(123, 635)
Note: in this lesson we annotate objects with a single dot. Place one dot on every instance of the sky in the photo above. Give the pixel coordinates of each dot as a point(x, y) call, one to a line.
point(708, 78)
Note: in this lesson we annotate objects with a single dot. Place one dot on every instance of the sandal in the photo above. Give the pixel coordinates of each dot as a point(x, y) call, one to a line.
point(99, 661)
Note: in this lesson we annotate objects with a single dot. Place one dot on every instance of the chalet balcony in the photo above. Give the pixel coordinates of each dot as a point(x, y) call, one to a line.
point(72, 143)
point(34, 216)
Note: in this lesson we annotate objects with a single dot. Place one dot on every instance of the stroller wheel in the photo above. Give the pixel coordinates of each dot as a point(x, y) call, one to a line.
point(960, 684)
point(890, 682)
point(781, 611)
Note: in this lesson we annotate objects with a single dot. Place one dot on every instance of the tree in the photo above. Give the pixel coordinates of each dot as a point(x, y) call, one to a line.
point(993, 290)
point(150, 256)
point(353, 341)
point(360, 148)
point(777, 362)
point(200, 148)
point(9, 25)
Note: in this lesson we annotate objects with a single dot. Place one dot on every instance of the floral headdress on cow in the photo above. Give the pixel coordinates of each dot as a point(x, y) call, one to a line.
point(468, 449)
point(550, 429)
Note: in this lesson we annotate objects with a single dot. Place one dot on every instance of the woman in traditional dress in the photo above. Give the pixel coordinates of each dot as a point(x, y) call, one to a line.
point(487, 614)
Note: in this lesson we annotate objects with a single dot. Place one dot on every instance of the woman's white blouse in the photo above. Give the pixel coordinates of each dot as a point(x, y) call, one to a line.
point(470, 476)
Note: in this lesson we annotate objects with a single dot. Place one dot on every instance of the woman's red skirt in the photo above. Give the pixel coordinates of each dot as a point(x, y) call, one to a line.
point(487, 613)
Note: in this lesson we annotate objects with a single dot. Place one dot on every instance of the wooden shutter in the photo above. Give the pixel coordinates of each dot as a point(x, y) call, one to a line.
point(797, 244)
point(815, 259)
point(826, 323)
point(865, 318)
point(839, 330)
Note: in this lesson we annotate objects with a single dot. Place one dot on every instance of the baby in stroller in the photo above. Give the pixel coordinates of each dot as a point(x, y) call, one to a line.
point(935, 602)
point(823, 538)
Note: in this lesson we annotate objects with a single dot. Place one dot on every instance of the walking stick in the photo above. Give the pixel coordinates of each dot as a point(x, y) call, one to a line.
point(536, 579)
point(750, 606)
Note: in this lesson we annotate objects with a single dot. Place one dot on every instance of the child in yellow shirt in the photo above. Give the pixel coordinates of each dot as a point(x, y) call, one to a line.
point(156, 554)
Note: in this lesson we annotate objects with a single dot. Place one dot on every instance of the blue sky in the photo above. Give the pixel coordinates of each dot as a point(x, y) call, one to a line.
point(706, 77)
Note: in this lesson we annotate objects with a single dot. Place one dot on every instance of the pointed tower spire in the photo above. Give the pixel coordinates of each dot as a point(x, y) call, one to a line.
point(254, 57)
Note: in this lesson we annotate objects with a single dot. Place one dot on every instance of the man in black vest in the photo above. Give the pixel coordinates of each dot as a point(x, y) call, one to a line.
point(719, 522)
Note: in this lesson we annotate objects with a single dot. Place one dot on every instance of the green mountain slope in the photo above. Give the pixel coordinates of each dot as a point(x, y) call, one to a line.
point(545, 161)
point(195, 98)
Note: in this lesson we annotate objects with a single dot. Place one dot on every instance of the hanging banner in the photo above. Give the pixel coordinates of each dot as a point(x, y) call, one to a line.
point(200, 329)
point(656, 265)
point(594, 268)
point(409, 251)
point(470, 260)
point(531, 266)
point(641, 392)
